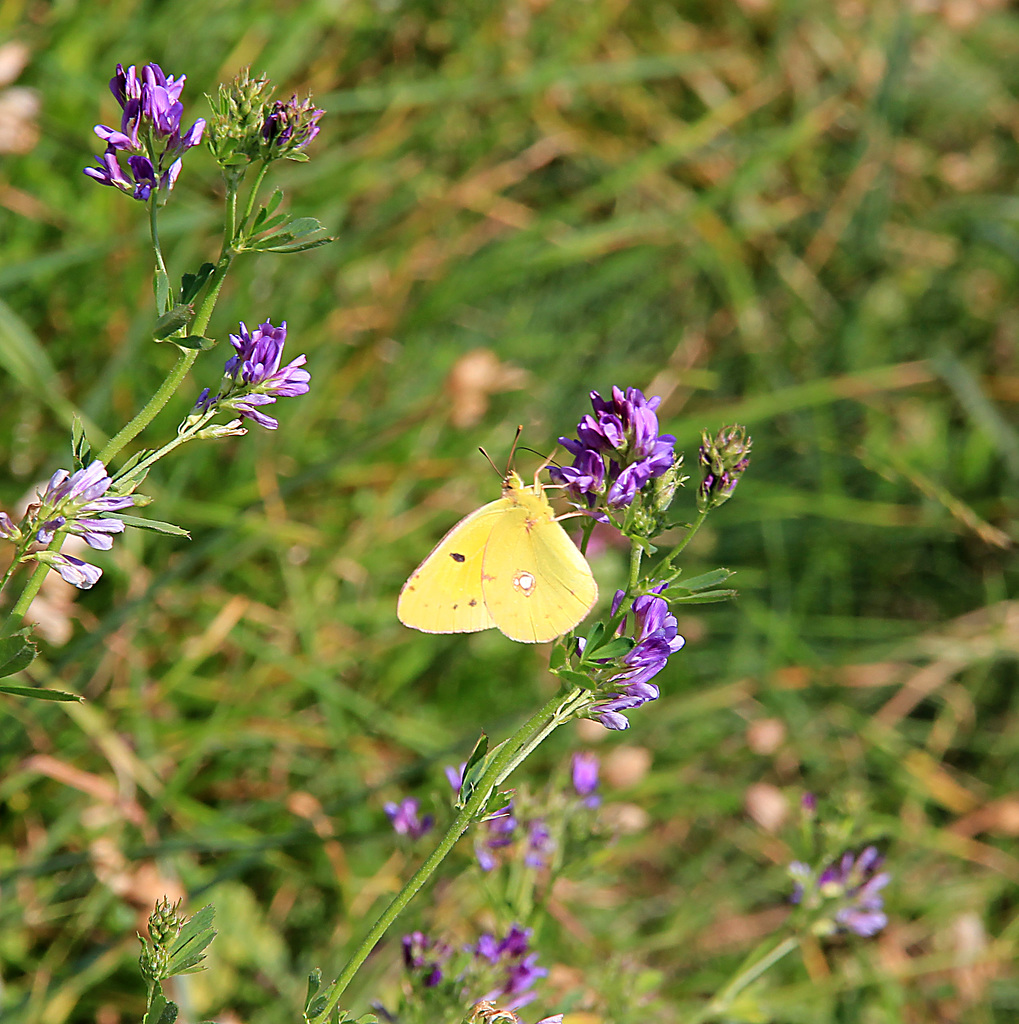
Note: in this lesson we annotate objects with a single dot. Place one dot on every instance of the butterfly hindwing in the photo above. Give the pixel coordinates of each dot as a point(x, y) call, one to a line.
point(536, 583)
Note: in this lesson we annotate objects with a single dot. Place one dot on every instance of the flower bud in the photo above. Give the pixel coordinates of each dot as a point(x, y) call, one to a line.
point(8, 528)
point(231, 429)
point(663, 488)
point(165, 922)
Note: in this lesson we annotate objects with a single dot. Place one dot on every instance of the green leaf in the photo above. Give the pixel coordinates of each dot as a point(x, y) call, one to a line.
point(316, 1007)
point(707, 597)
point(559, 657)
point(473, 769)
point(261, 223)
point(169, 1014)
point(186, 953)
point(126, 479)
point(709, 579)
point(272, 222)
point(314, 984)
point(160, 1011)
point(80, 448)
point(40, 694)
point(594, 640)
point(154, 525)
point(293, 238)
point(616, 648)
point(305, 226)
point(194, 341)
point(17, 652)
point(173, 320)
point(162, 290)
point(576, 678)
point(296, 246)
point(192, 284)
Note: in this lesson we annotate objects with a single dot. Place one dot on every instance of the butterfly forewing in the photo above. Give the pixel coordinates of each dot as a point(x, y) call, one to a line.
point(444, 594)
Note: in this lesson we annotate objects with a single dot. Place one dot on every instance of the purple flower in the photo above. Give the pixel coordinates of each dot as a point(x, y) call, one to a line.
point(539, 844)
point(585, 777)
point(619, 448)
point(8, 528)
point(849, 890)
point(290, 126)
point(256, 377)
point(424, 955)
point(657, 638)
point(82, 491)
point(516, 969)
point(74, 571)
point(77, 503)
point(501, 826)
point(149, 133)
point(404, 817)
point(455, 776)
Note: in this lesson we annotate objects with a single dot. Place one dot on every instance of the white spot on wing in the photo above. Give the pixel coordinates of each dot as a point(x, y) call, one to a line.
point(524, 582)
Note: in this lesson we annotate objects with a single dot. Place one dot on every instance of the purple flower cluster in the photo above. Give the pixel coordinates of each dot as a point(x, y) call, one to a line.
point(76, 503)
point(657, 637)
point(292, 125)
point(149, 133)
point(255, 377)
point(501, 827)
point(405, 820)
point(517, 969)
point(851, 888)
point(724, 459)
point(505, 965)
point(618, 450)
point(426, 957)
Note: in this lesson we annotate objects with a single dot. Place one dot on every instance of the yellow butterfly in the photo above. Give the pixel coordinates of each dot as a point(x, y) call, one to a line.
point(508, 564)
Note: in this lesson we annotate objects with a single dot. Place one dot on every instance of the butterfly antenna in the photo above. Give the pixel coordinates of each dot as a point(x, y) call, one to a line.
point(490, 462)
point(548, 461)
point(513, 449)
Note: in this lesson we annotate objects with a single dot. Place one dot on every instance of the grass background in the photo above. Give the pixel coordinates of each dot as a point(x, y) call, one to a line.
point(793, 215)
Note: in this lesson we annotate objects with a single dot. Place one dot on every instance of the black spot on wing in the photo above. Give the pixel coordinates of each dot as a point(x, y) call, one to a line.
point(457, 557)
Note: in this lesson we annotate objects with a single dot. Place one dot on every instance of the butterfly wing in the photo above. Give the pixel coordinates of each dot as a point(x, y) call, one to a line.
point(444, 593)
point(536, 583)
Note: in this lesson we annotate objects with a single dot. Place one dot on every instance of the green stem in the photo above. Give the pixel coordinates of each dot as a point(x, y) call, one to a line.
point(253, 194)
point(636, 554)
point(666, 565)
point(21, 606)
point(151, 408)
point(11, 569)
point(176, 442)
point(745, 977)
point(176, 376)
point(556, 711)
point(156, 248)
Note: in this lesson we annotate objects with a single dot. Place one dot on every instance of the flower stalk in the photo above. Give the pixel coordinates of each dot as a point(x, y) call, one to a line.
point(561, 708)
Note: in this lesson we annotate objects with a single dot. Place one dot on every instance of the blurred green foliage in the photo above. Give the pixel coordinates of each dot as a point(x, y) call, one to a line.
point(795, 215)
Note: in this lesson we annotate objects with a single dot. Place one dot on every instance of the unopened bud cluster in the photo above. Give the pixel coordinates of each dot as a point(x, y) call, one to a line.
point(723, 458)
point(165, 923)
point(248, 125)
